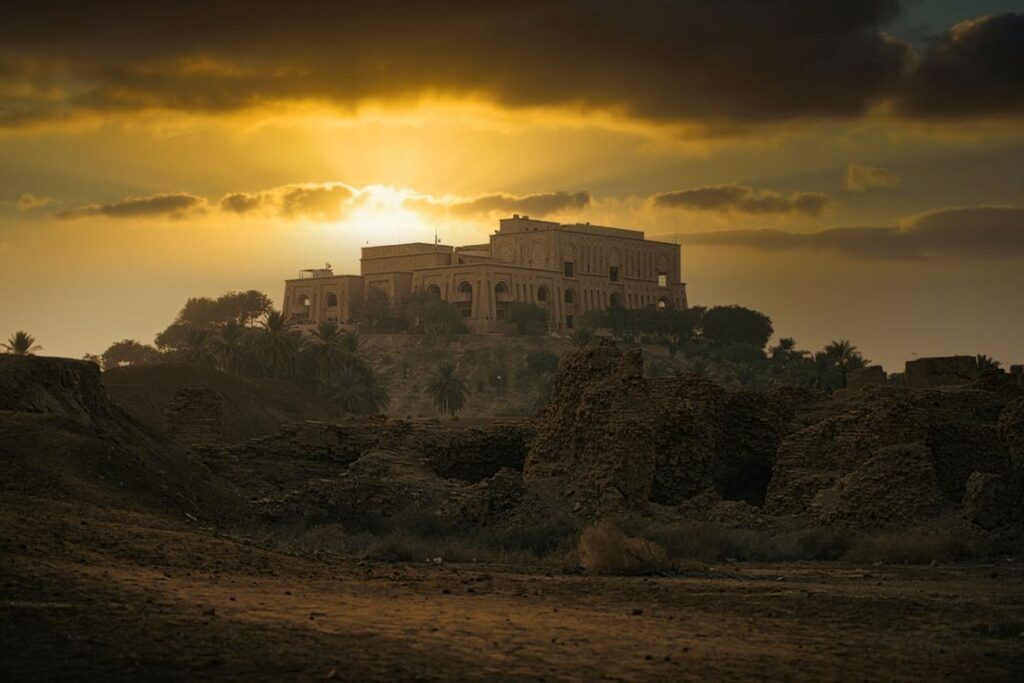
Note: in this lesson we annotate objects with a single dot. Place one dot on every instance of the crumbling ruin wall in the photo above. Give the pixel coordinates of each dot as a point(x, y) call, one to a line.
point(617, 441)
point(891, 456)
point(894, 486)
point(812, 461)
point(194, 417)
point(57, 386)
point(688, 432)
point(871, 376)
point(595, 435)
point(963, 432)
point(1011, 431)
point(473, 453)
point(925, 373)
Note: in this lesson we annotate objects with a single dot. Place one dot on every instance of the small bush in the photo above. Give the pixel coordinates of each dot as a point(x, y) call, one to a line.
point(328, 538)
point(399, 546)
point(604, 549)
point(551, 537)
point(708, 542)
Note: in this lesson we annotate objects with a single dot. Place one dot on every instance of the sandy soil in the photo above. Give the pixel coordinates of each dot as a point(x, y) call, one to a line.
point(100, 594)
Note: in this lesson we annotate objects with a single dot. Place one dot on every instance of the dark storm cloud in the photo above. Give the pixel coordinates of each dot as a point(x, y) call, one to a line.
point(170, 204)
point(982, 232)
point(974, 69)
point(731, 197)
point(719, 63)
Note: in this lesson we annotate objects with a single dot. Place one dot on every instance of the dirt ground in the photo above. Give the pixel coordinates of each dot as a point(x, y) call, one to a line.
point(102, 594)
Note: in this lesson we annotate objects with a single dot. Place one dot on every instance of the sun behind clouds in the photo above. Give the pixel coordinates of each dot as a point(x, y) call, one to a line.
point(378, 216)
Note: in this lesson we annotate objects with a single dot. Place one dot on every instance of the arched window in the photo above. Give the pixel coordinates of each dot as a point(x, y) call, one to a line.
point(332, 300)
point(304, 300)
point(465, 302)
point(542, 295)
point(570, 296)
point(434, 290)
point(613, 300)
point(501, 303)
point(662, 303)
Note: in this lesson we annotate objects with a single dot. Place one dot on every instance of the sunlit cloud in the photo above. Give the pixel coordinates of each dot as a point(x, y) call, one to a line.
point(743, 199)
point(322, 202)
point(863, 178)
point(538, 205)
point(27, 202)
point(175, 205)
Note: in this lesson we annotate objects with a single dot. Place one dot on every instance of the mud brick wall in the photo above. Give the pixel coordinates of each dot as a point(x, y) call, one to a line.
point(925, 373)
point(194, 417)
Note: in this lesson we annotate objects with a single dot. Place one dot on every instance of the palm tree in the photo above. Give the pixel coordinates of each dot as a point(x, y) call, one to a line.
point(229, 345)
point(356, 392)
point(330, 350)
point(196, 349)
point(987, 362)
point(276, 346)
point(325, 351)
point(821, 372)
point(447, 389)
point(846, 357)
point(582, 337)
point(22, 343)
point(351, 342)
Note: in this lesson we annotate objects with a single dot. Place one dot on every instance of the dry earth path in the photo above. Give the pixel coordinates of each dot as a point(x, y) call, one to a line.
point(101, 594)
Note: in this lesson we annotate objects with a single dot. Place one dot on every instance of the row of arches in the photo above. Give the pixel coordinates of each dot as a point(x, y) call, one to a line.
point(466, 289)
point(330, 301)
point(543, 294)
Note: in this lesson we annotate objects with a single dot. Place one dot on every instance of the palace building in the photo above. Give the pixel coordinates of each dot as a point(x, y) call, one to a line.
point(565, 269)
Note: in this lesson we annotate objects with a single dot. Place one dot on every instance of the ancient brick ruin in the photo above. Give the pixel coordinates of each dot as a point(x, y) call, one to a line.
point(193, 417)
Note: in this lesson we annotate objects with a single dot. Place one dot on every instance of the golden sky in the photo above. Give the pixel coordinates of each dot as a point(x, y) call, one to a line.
point(853, 169)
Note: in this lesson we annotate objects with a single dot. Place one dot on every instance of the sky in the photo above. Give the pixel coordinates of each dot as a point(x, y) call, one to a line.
point(854, 169)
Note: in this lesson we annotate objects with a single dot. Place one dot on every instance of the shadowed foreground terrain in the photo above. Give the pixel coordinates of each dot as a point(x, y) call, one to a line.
point(109, 595)
point(765, 534)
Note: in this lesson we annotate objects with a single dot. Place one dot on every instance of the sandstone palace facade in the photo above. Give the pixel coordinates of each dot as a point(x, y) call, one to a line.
point(565, 269)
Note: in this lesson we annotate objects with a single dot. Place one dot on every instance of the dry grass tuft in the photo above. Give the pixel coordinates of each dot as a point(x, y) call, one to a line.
point(604, 549)
point(915, 547)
